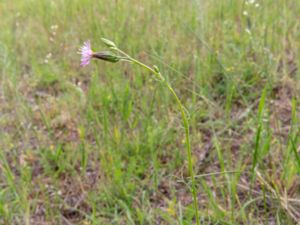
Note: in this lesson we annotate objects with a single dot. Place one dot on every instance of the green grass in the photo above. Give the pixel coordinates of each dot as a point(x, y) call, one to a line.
point(105, 144)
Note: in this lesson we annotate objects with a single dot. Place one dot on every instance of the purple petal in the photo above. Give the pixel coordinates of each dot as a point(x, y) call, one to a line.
point(86, 53)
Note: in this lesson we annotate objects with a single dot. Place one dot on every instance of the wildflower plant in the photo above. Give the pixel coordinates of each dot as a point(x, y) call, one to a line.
point(114, 55)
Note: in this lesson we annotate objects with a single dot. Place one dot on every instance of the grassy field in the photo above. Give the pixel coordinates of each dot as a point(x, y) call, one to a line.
point(104, 144)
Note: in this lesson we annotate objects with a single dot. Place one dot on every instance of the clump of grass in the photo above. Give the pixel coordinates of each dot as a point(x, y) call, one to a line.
point(88, 54)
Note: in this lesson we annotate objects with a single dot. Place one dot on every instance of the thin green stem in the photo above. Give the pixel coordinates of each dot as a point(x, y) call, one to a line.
point(185, 123)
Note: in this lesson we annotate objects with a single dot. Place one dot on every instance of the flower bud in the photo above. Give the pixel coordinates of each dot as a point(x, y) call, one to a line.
point(156, 69)
point(106, 56)
point(108, 43)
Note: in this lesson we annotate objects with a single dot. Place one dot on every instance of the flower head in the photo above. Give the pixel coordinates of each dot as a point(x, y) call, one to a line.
point(86, 53)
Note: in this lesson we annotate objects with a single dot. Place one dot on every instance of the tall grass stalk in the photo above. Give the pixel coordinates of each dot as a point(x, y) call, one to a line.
point(154, 70)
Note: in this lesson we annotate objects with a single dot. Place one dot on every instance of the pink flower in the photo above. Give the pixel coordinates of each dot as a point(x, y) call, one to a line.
point(86, 53)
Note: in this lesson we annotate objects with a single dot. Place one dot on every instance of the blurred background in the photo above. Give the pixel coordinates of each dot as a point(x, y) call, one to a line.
point(104, 144)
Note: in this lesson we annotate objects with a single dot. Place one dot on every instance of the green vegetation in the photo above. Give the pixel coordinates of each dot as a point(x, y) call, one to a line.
point(105, 144)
